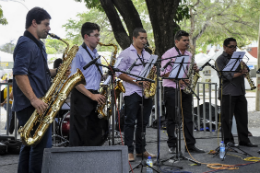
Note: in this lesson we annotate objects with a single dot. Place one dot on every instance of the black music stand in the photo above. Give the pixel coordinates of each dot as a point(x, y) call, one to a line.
point(180, 67)
point(112, 71)
point(144, 73)
point(233, 66)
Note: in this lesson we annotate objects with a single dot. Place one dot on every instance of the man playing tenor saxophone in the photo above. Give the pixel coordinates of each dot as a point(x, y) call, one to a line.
point(32, 79)
point(133, 95)
point(84, 98)
point(181, 45)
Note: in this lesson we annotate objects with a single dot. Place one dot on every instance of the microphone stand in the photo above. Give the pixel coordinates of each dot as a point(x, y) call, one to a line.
point(112, 70)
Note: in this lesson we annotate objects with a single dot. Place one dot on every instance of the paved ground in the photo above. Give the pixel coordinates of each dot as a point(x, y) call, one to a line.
point(205, 140)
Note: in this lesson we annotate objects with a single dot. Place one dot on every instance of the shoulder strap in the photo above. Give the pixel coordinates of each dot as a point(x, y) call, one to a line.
point(84, 46)
point(28, 34)
point(178, 50)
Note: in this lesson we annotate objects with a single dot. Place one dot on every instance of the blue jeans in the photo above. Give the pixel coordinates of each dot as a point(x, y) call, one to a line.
point(133, 112)
point(30, 159)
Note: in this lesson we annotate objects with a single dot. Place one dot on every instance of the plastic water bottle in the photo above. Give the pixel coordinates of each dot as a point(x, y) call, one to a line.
point(221, 150)
point(150, 163)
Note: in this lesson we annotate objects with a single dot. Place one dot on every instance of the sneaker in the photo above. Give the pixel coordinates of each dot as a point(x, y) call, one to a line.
point(172, 150)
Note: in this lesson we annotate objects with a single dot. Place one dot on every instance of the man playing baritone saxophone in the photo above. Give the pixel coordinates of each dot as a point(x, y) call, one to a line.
point(84, 98)
point(32, 79)
point(233, 88)
point(133, 95)
point(181, 45)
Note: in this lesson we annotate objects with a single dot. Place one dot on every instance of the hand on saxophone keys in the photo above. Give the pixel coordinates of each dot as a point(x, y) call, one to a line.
point(99, 98)
point(184, 82)
point(39, 105)
point(68, 71)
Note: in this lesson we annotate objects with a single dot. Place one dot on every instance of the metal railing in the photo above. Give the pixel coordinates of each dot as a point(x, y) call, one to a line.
point(204, 97)
point(8, 111)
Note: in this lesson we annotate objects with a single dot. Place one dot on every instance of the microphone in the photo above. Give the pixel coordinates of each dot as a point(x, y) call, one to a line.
point(131, 67)
point(202, 67)
point(91, 62)
point(162, 69)
point(258, 71)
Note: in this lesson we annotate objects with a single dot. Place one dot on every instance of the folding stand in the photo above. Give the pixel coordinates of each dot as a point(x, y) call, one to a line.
point(227, 148)
point(179, 155)
point(113, 70)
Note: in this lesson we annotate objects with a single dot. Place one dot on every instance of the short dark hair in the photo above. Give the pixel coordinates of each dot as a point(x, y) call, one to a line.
point(57, 63)
point(88, 28)
point(179, 34)
point(137, 30)
point(228, 40)
point(37, 13)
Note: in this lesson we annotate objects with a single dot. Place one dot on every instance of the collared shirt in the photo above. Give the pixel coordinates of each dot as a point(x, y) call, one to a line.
point(231, 86)
point(30, 60)
point(129, 56)
point(91, 74)
point(170, 53)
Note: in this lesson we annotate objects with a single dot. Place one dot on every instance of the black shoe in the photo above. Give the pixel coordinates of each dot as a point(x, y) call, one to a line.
point(231, 144)
point(259, 152)
point(172, 150)
point(248, 144)
point(194, 149)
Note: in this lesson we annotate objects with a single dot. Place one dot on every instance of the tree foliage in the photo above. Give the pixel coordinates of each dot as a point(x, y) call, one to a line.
point(213, 21)
point(158, 17)
point(8, 47)
point(3, 20)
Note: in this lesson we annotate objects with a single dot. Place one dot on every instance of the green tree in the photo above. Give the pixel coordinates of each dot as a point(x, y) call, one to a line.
point(124, 18)
point(8, 47)
point(3, 20)
point(213, 21)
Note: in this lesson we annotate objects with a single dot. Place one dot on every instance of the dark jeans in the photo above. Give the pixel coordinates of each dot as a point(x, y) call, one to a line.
point(238, 107)
point(169, 97)
point(30, 159)
point(133, 112)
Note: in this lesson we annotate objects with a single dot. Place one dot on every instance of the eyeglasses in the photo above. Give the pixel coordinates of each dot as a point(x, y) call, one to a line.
point(96, 35)
point(232, 47)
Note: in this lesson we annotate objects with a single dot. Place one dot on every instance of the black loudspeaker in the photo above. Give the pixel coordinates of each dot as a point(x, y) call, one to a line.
point(101, 159)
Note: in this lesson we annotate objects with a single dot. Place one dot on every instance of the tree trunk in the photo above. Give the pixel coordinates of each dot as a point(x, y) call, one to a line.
point(118, 29)
point(161, 14)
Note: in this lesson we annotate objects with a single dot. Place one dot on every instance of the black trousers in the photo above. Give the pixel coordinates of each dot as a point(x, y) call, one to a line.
point(169, 98)
point(133, 112)
point(236, 106)
point(86, 129)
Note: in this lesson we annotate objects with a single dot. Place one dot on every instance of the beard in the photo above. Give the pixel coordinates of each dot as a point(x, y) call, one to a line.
point(42, 34)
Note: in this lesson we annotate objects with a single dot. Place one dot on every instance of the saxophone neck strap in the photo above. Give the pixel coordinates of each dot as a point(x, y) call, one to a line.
point(85, 47)
point(37, 42)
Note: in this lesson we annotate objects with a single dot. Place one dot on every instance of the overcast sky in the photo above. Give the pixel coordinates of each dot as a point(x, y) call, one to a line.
point(15, 12)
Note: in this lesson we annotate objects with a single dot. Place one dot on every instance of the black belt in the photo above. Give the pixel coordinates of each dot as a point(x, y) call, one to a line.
point(94, 91)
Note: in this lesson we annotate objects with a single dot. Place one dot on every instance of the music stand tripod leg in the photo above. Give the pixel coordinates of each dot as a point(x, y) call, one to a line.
point(143, 162)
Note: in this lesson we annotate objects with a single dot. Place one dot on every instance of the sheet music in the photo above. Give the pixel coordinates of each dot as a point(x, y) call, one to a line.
point(108, 80)
point(149, 66)
point(177, 64)
point(234, 61)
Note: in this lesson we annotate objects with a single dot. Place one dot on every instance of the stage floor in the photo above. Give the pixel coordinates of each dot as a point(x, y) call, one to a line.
point(205, 140)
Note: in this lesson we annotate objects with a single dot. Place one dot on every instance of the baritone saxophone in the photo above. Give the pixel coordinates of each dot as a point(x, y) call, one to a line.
point(55, 97)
